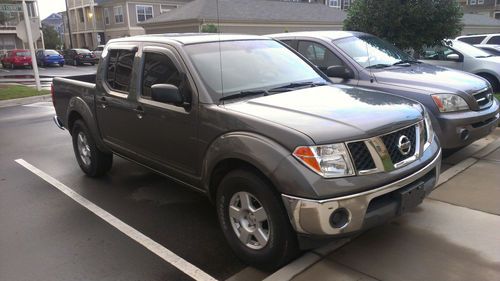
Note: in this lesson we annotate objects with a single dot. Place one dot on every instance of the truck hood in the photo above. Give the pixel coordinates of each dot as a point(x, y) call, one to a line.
point(330, 114)
point(431, 79)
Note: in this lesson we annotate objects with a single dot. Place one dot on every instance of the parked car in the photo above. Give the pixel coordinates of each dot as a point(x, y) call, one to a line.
point(490, 39)
point(286, 156)
point(461, 105)
point(463, 56)
point(98, 51)
point(17, 58)
point(77, 57)
point(491, 49)
point(49, 57)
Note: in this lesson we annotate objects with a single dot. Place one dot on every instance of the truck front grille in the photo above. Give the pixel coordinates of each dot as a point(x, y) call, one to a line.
point(361, 156)
point(484, 98)
point(387, 152)
point(391, 142)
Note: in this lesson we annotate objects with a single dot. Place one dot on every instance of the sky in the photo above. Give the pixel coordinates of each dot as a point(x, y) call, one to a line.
point(47, 7)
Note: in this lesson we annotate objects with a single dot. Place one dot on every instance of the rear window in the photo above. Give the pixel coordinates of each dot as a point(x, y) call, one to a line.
point(82, 51)
point(51, 52)
point(23, 54)
point(119, 69)
point(494, 40)
point(472, 39)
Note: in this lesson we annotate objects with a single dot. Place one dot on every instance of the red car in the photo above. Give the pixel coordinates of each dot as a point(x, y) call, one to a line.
point(17, 58)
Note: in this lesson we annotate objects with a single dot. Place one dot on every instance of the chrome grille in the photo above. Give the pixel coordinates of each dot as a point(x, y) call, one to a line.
point(484, 98)
point(383, 154)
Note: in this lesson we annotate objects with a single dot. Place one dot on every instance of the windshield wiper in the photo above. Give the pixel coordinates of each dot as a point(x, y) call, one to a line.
point(295, 85)
point(243, 94)
point(379, 65)
point(406, 62)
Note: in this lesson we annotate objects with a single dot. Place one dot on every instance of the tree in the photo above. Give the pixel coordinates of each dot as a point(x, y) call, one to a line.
point(409, 24)
point(209, 28)
point(51, 37)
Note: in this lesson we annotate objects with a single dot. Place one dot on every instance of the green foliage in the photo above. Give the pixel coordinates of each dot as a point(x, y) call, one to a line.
point(409, 24)
point(209, 28)
point(51, 38)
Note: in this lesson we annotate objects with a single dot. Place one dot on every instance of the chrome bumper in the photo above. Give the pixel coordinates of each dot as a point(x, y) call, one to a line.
point(313, 216)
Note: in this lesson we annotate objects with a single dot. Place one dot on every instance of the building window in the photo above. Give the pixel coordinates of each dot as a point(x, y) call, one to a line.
point(144, 12)
point(106, 16)
point(118, 11)
point(334, 3)
point(480, 2)
point(80, 15)
point(472, 2)
point(167, 8)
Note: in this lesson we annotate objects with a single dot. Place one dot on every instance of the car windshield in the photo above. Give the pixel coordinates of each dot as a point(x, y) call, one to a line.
point(248, 65)
point(23, 54)
point(51, 52)
point(468, 49)
point(371, 52)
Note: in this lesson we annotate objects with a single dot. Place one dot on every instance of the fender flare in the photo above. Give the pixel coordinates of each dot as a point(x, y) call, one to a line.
point(79, 106)
point(261, 152)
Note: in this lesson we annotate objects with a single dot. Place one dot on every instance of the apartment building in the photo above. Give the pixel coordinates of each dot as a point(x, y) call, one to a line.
point(9, 20)
point(339, 4)
point(489, 8)
point(94, 22)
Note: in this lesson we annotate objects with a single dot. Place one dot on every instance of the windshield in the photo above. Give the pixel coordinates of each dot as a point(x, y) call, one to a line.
point(51, 52)
point(23, 54)
point(82, 51)
point(371, 51)
point(468, 49)
point(248, 65)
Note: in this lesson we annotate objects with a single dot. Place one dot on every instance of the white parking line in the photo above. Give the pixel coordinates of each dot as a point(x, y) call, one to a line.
point(126, 229)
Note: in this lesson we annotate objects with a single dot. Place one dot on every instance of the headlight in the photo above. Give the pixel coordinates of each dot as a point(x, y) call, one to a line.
point(428, 130)
point(450, 102)
point(329, 161)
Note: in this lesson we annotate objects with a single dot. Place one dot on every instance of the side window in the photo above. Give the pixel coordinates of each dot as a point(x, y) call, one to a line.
point(119, 69)
point(494, 40)
point(473, 39)
point(318, 54)
point(437, 53)
point(159, 69)
point(291, 43)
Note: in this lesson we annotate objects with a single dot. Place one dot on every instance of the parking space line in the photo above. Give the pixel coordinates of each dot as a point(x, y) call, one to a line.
point(162, 252)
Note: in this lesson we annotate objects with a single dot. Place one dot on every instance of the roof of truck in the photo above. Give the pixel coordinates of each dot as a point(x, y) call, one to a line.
point(188, 38)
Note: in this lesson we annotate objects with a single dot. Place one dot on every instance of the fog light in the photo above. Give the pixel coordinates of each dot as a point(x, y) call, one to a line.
point(339, 218)
point(464, 134)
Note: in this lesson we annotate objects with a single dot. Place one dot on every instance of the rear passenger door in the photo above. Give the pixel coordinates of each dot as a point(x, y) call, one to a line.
point(167, 132)
point(115, 107)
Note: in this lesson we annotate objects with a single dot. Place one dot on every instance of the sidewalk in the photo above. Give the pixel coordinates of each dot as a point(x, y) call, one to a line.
point(453, 235)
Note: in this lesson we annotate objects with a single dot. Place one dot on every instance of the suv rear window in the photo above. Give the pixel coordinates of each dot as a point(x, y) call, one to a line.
point(472, 39)
point(119, 67)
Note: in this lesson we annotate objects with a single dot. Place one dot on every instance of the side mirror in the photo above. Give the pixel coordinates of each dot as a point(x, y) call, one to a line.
point(453, 57)
point(166, 93)
point(339, 71)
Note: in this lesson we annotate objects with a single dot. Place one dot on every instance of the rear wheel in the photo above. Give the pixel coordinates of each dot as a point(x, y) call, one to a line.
point(254, 220)
point(90, 159)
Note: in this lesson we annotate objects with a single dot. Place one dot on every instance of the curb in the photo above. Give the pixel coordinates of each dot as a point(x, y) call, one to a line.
point(23, 101)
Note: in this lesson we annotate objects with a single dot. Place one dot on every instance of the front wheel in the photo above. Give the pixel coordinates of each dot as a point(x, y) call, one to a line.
point(254, 220)
point(90, 159)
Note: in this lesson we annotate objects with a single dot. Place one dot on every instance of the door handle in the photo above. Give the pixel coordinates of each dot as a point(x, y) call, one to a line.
point(104, 102)
point(139, 111)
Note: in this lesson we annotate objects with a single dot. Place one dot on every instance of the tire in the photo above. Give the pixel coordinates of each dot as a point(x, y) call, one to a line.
point(3, 65)
point(61, 64)
point(92, 161)
point(92, 63)
point(281, 245)
point(493, 81)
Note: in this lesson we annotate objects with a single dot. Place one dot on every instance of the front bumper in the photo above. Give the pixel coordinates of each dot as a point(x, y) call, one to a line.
point(458, 129)
point(364, 209)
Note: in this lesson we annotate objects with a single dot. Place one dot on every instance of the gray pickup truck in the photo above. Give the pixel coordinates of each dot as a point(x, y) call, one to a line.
point(461, 105)
point(288, 158)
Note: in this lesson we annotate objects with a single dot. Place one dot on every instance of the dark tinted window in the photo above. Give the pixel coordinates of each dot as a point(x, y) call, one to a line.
point(473, 39)
point(82, 51)
point(318, 54)
point(119, 71)
point(158, 69)
point(494, 40)
point(291, 43)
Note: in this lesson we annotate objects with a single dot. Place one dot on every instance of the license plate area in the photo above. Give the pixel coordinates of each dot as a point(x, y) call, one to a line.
point(411, 197)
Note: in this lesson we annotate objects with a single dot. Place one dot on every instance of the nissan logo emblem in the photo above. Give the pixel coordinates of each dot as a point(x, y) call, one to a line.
point(404, 145)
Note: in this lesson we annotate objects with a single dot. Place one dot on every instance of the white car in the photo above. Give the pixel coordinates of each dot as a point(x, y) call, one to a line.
point(98, 51)
point(492, 49)
point(489, 39)
point(462, 56)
